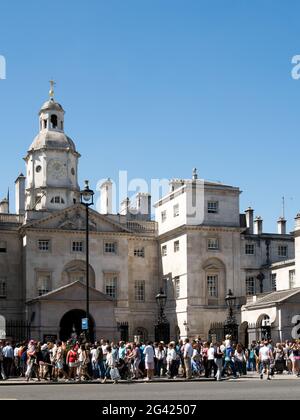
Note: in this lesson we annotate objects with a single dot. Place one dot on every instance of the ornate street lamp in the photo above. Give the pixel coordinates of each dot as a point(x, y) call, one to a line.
point(230, 300)
point(231, 327)
point(162, 329)
point(161, 299)
point(87, 199)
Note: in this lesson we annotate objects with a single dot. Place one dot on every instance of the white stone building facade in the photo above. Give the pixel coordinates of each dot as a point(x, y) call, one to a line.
point(198, 247)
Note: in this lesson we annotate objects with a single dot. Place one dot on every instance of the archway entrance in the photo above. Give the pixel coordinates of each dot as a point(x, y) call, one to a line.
point(70, 325)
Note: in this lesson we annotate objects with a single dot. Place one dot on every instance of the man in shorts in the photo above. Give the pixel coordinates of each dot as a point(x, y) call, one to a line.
point(265, 358)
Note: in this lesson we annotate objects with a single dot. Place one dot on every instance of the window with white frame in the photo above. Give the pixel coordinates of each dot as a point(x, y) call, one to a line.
point(176, 210)
point(139, 252)
point(292, 279)
point(213, 244)
point(44, 245)
point(212, 285)
point(111, 281)
point(282, 251)
point(3, 288)
point(163, 216)
point(177, 287)
point(250, 286)
point(139, 290)
point(213, 207)
point(57, 200)
point(3, 247)
point(249, 249)
point(77, 246)
point(110, 248)
point(43, 284)
point(176, 246)
point(164, 250)
point(274, 282)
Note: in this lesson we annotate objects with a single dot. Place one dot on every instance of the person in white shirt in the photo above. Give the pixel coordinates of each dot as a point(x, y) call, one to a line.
point(211, 361)
point(17, 359)
point(228, 341)
point(149, 360)
point(265, 357)
point(171, 361)
point(160, 355)
point(187, 356)
point(104, 346)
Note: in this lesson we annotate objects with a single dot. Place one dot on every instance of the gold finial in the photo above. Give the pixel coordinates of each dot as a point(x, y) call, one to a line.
point(51, 91)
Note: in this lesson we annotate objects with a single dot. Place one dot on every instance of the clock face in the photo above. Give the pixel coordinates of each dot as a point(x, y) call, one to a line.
point(57, 169)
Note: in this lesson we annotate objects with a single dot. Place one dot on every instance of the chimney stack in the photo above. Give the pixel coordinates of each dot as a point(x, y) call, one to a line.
point(106, 191)
point(258, 226)
point(4, 206)
point(281, 224)
point(143, 205)
point(125, 206)
point(250, 219)
point(20, 194)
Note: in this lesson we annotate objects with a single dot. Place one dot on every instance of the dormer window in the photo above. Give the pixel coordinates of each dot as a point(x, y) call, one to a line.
point(54, 121)
point(57, 200)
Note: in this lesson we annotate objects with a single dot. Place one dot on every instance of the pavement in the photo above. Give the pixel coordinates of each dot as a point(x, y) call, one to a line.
point(254, 376)
point(281, 387)
point(284, 388)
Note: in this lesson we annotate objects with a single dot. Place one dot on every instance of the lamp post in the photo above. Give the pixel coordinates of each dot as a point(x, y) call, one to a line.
point(230, 323)
point(87, 199)
point(162, 329)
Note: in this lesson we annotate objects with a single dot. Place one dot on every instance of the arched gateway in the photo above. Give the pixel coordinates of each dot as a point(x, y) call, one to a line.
point(70, 325)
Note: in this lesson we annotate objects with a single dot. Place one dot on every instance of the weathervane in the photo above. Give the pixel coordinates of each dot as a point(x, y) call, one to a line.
point(51, 91)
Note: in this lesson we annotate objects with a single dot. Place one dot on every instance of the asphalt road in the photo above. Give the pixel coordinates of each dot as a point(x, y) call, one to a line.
point(242, 389)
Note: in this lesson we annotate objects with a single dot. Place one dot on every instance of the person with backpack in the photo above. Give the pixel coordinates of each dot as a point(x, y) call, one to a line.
point(251, 359)
point(219, 357)
point(229, 361)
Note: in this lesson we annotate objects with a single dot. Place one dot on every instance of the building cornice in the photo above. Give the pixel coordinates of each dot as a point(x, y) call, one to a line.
point(266, 236)
point(184, 229)
point(129, 236)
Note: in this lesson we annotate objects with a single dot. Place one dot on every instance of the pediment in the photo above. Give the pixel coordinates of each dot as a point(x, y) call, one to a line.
point(74, 292)
point(74, 219)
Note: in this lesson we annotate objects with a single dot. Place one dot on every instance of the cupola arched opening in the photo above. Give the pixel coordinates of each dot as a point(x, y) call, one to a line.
point(54, 121)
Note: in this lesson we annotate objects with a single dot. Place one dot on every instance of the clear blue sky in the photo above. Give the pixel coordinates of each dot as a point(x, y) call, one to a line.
point(157, 87)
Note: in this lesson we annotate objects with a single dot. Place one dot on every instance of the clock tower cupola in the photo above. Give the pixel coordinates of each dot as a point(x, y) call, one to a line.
point(51, 162)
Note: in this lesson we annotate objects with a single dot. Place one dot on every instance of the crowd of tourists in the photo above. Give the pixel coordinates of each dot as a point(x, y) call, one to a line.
point(75, 360)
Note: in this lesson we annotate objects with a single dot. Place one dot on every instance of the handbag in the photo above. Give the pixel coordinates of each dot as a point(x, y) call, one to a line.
point(114, 374)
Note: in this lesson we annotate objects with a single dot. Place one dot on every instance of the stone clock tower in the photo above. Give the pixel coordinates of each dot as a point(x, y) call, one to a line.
point(51, 163)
